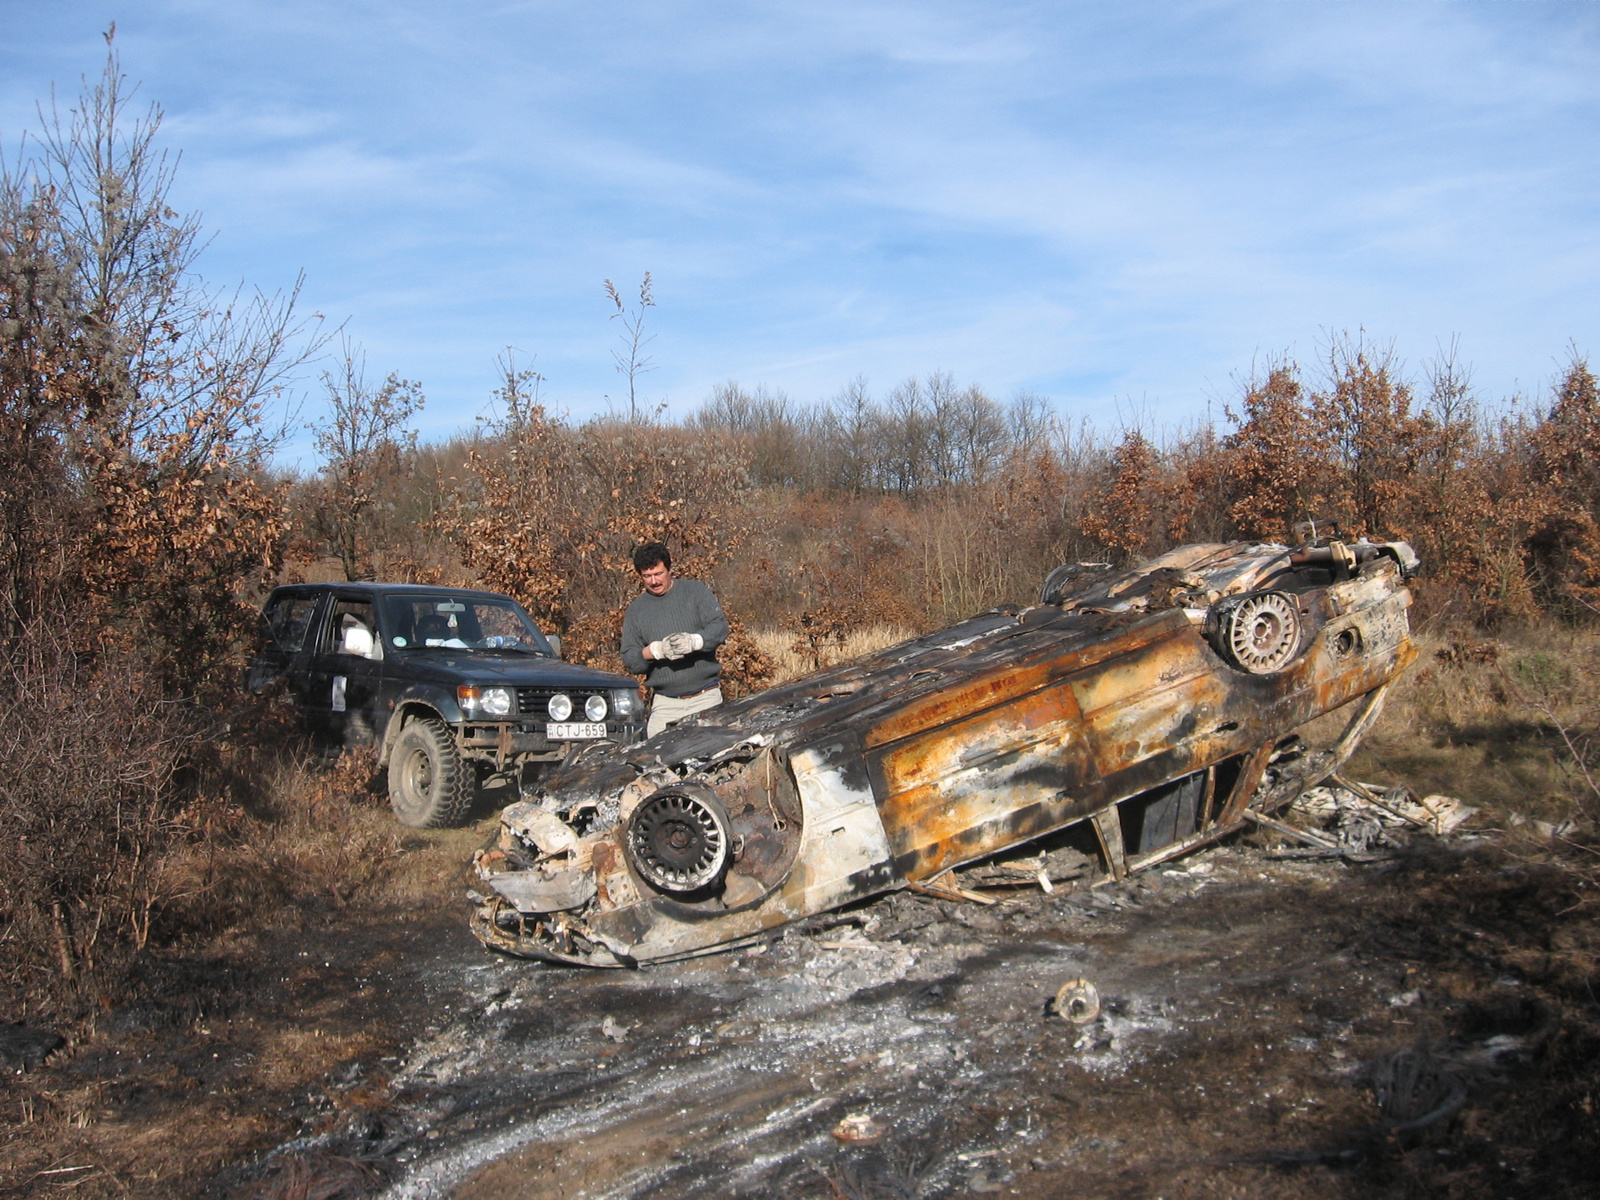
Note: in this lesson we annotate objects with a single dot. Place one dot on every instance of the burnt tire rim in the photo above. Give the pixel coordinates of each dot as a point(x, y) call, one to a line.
point(678, 840)
point(1263, 632)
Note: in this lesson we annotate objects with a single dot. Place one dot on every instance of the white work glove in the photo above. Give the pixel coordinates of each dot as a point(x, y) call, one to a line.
point(696, 642)
point(679, 644)
point(658, 651)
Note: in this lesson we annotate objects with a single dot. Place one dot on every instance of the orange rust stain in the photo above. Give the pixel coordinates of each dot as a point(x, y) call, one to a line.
point(610, 876)
point(1010, 682)
point(933, 820)
point(964, 745)
point(952, 780)
point(1167, 664)
point(944, 707)
point(1188, 711)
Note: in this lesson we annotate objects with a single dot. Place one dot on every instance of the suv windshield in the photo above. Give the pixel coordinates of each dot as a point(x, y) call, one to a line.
point(460, 623)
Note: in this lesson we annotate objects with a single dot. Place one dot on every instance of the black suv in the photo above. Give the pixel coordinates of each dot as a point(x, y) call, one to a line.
point(450, 684)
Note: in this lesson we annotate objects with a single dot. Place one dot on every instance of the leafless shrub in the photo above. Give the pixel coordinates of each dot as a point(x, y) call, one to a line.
point(89, 748)
point(365, 444)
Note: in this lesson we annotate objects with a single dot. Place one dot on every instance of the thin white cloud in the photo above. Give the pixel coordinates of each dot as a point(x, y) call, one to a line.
point(1138, 195)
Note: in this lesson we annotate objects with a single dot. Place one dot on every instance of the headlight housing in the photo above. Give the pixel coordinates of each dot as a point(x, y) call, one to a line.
point(626, 704)
point(560, 707)
point(486, 701)
point(595, 708)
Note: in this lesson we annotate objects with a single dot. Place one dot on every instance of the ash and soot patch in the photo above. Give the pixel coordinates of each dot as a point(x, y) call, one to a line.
point(1260, 1025)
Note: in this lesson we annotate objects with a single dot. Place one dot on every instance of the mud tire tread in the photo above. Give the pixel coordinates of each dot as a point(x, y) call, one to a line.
point(448, 797)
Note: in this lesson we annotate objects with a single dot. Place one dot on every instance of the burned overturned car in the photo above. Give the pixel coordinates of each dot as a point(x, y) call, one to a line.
point(1154, 708)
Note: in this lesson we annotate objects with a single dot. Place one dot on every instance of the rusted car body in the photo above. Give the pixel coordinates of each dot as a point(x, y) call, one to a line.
point(1158, 706)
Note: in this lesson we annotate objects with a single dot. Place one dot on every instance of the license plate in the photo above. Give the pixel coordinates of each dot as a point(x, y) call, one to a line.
point(571, 730)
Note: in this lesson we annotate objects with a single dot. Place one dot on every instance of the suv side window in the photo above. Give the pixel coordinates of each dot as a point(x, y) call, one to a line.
point(288, 620)
point(347, 613)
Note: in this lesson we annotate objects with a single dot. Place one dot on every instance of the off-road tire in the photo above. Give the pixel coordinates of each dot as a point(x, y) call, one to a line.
point(429, 785)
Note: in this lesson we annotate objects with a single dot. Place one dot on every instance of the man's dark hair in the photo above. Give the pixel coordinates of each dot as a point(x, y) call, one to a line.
point(649, 554)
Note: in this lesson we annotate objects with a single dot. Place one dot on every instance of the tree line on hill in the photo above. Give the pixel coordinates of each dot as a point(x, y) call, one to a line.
point(937, 501)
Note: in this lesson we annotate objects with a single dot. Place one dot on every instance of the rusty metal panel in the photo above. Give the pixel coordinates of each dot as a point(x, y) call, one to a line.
point(1141, 705)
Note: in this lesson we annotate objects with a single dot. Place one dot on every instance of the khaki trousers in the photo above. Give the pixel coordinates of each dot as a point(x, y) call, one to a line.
point(669, 710)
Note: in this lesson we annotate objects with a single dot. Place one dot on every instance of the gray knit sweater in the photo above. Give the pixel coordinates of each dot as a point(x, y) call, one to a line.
point(688, 607)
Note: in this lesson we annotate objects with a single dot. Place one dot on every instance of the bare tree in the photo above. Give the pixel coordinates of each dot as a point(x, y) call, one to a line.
point(1029, 421)
point(773, 430)
point(904, 438)
point(173, 355)
point(850, 420)
point(631, 360)
point(942, 437)
point(981, 435)
point(519, 399)
point(730, 407)
point(166, 444)
point(363, 442)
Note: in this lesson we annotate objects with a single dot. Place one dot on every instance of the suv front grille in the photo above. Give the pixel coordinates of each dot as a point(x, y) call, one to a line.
point(532, 701)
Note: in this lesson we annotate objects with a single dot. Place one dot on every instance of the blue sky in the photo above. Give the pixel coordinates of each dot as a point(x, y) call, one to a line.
point(1120, 206)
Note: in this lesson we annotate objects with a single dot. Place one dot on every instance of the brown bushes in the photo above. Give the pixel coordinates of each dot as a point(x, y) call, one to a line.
point(937, 502)
point(134, 519)
point(90, 751)
point(551, 514)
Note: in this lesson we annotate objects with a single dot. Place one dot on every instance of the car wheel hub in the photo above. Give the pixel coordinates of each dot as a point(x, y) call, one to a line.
point(421, 773)
point(678, 839)
point(1263, 632)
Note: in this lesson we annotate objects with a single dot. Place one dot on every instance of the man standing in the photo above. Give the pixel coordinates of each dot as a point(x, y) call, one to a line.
point(670, 635)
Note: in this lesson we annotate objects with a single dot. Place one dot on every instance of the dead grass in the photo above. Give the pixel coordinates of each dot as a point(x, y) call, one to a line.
point(1506, 724)
point(294, 1057)
point(253, 998)
point(791, 659)
point(316, 838)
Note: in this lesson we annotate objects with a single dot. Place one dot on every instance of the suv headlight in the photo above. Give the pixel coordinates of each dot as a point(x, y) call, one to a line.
point(595, 708)
point(560, 707)
point(626, 704)
point(486, 702)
